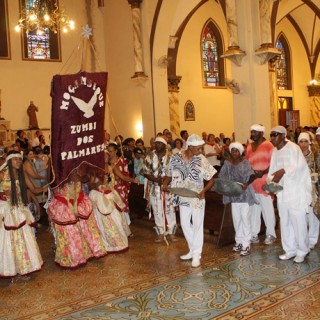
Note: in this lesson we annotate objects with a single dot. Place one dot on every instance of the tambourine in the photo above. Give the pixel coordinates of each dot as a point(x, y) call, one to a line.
point(272, 187)
point(227, 187)
point(184, 192)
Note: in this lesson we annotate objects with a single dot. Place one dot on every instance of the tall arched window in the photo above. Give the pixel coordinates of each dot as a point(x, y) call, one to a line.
point(39, 45)
point(283, 65)
point(4, 31)
point(211, 51)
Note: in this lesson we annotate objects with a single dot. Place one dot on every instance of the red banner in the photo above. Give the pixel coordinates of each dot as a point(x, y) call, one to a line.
point(77, 123)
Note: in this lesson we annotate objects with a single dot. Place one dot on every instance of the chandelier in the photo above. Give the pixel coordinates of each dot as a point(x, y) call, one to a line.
point(39, 16)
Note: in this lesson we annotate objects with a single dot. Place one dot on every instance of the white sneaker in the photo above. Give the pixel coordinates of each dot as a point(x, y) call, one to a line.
point(298, 259)
point(254, 239)
point(195, 262)
point(269, 239)
point(286, 256)
point(237, 247)
point(187, 256)
point(245, 251)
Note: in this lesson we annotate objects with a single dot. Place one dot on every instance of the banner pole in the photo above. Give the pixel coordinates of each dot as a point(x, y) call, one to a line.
point(84, 54)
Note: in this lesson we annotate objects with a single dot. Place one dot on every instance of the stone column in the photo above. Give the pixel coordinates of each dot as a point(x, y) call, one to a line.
point(274, 119)
point(252, 104)
point(137, 42)
point(173, 90)
point(314, 97)
point(234, 53)
point(266, 51)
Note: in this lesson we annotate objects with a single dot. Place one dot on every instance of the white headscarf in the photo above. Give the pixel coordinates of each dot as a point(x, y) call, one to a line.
point(238, 146)
point(13, 155)
point(160, 139)
point(304, 136)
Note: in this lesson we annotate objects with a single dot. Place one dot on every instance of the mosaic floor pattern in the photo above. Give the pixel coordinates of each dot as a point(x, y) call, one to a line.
point(210, 293)
point(149, 282)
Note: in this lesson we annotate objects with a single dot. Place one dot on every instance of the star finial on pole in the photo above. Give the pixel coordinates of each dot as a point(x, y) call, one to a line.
point(86, 31)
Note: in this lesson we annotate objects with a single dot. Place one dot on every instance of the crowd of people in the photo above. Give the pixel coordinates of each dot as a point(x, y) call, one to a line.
point(89, 214)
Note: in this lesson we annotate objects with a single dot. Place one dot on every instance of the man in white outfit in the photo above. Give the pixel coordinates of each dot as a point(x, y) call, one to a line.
point(289, 168)
point(154, 169)
point(189, 169)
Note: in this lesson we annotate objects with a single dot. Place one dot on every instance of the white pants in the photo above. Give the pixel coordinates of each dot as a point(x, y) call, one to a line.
point(265, 204)
point(193, 230)
point(241, 222)
point(294, 231)
point(163, 211)
point(313, 227)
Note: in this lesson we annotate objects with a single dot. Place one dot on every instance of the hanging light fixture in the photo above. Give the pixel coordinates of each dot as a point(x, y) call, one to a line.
point(42, 15)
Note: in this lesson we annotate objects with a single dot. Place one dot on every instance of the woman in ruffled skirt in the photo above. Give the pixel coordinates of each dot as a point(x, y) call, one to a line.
point(77, 236)
point(19, 251)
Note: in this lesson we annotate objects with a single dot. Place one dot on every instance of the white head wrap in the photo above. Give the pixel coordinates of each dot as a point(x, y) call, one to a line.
point(258, 127)
point(194, 141)
point(318, 132)
point(160, 139)
point(13, 155)
point(236, 145)
point(304, 136)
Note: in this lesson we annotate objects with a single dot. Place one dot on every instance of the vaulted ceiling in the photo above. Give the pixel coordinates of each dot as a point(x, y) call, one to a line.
point(304, 16)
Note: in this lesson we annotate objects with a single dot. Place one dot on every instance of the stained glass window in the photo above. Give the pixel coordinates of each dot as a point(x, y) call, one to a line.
point(211, 49)
point(37, 45)
point(4, 34)
point(283, 65)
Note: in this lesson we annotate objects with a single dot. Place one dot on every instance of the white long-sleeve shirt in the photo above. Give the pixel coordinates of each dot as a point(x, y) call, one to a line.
point(296, 181)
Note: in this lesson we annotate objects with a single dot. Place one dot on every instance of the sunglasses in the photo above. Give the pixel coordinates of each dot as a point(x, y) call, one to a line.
point(274, 134)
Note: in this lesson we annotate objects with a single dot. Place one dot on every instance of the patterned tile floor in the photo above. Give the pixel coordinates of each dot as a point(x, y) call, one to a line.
point(150, 282)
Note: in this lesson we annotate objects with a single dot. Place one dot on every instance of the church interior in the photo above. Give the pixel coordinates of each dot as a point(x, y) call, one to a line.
point(195, 65)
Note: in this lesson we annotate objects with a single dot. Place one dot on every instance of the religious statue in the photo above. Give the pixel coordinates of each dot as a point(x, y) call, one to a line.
point(33, 122)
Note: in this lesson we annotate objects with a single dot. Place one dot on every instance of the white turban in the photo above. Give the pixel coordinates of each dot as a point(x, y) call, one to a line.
point(194, 141)
point(318, 132)
point(258, 127)
point(304, 136)
point(160, 139)
point(236, 145)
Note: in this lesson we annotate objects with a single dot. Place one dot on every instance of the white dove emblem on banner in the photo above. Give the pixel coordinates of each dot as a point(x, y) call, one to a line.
point(87, 107)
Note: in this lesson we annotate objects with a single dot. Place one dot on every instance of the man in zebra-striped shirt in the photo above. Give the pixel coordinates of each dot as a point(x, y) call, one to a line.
point(189, 169)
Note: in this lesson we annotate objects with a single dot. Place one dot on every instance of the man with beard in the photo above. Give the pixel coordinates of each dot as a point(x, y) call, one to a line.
point(259, 153)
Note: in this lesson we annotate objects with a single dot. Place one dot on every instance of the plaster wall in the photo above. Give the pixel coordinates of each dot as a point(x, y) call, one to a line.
point(22, 81)
point(300, 72)
point(213, 106)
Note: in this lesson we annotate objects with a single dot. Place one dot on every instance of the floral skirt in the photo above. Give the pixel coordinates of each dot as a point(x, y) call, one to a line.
point(19, 251)
point(78, 242)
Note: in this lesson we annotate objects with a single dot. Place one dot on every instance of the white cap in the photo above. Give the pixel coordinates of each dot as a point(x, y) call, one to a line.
point(257, 127)
point(194, 141)
point(236, 145)
point(160, 139)
point(279, 129)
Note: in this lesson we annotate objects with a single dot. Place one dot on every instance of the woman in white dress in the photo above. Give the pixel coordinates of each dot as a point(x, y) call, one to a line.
point(212, 152)
point(19, 251)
